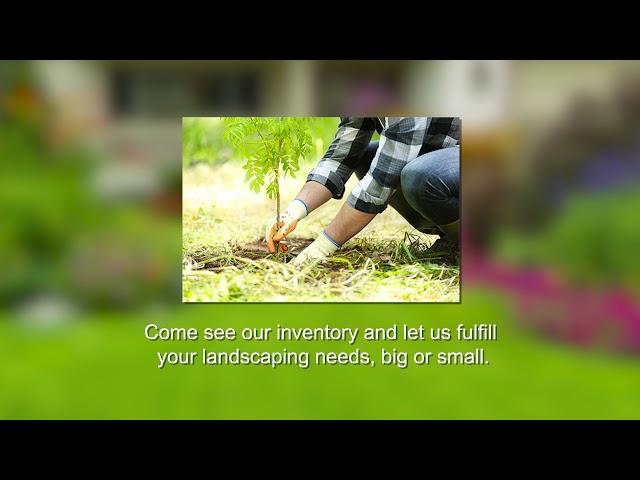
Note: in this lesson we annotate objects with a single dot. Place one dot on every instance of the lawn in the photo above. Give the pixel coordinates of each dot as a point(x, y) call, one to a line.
point(224, 261)
point(102, 367)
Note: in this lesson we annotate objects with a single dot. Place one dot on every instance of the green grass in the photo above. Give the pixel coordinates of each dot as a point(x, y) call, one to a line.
point(369, 269)
point(388, 261)
point(102, 367)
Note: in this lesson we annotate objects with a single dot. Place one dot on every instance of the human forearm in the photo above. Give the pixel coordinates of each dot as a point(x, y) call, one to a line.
point(347, 223)
point(313, 194)
point(344, 226)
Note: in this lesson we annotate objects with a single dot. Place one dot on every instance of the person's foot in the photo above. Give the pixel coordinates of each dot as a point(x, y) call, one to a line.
point(446, 249)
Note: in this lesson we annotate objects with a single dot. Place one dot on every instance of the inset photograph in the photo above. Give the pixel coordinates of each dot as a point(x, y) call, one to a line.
point(321, 209)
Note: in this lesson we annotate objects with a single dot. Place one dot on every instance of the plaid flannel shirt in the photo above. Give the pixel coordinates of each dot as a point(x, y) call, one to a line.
point(402, 139)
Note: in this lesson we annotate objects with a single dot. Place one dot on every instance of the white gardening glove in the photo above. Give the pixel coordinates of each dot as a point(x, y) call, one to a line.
point(277, 231)
point(322, 247)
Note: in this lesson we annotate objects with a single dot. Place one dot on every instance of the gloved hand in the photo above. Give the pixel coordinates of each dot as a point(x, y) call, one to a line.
point(322, 247)
point(277, 231)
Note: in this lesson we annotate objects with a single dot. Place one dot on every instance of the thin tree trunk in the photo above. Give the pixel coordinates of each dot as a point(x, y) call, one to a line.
point(277, 179)
point(277, 196)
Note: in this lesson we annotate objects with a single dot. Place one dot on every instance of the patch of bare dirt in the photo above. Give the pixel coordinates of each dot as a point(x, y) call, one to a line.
point(259, 247)
point(255, 250)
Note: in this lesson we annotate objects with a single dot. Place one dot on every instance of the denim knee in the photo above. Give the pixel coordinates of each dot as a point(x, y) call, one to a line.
point(435, 175)
point(431, 183)
point(412, 178)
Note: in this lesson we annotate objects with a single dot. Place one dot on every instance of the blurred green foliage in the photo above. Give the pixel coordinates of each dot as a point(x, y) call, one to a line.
point(43, 206)
point(203, 139)
point(592, 239)
point(59, 238)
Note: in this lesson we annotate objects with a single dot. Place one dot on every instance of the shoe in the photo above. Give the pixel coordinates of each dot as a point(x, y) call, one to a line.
point(446, 250)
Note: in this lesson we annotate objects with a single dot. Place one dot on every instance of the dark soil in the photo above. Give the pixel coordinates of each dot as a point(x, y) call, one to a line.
point(259, 247)
point(257, 250)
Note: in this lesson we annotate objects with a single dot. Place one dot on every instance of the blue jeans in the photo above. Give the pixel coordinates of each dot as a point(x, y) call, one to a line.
point(429, 187)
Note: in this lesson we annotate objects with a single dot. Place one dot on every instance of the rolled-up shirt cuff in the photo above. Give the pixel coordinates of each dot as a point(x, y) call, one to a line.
point(333, 182)
point(364, 206)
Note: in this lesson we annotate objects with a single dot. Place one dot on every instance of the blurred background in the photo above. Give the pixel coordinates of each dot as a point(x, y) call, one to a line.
point(91, 238)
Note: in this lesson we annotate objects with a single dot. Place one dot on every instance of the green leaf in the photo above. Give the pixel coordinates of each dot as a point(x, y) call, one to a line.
point(269, 145)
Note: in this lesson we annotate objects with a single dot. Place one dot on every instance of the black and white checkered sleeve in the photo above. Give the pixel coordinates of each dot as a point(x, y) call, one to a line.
point(337, 165)
point(400, 142)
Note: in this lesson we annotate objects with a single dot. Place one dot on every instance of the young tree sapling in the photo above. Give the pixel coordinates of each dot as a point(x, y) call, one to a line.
point(271, 147)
